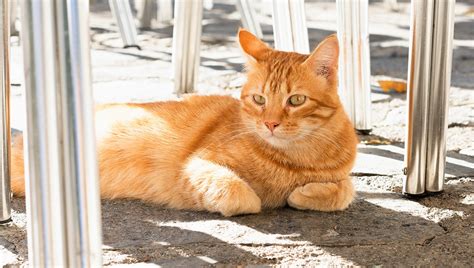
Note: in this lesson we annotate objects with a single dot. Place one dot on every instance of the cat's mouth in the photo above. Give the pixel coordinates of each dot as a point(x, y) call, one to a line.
point(272, 135)
point(276, 139)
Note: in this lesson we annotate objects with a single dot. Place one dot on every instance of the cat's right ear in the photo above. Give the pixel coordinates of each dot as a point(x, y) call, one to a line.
point(324, 59)
point(253, 47)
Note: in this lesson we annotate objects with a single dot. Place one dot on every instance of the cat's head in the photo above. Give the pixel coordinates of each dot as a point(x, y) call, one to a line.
point(288, 96)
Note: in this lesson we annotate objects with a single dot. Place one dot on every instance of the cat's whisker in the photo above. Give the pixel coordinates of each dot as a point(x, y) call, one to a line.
point(321, 135)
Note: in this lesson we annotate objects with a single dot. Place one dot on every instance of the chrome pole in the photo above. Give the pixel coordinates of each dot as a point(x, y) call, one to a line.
point(249, 18)
point(5, 192)
point(208, 4)
point(186, 44)
point(165, 11)
point(443, 34)
point(418, 88)
point(144, 12)
point(125, 21)
point(289, 26)
point(62, 198)
point(13, 16)
point(429, 78)
point(147, 11)
point(391, 4)
point(282, 26)
point(354, 61)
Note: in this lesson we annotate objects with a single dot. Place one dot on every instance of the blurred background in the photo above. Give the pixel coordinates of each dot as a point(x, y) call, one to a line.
point(133, 75)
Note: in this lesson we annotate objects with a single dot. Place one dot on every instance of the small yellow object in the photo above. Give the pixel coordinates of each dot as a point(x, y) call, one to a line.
point(376, 142)
point(390, 85)
point(469, 12)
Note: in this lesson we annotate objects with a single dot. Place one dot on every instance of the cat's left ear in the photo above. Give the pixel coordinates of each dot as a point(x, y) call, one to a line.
point(252, 46)
point(324, 59)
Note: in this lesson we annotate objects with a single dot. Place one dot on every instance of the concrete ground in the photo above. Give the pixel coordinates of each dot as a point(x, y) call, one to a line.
point(382, 227)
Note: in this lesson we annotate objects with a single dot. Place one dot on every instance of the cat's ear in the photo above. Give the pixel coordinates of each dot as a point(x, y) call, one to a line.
point(252, 46)
point(324, 59)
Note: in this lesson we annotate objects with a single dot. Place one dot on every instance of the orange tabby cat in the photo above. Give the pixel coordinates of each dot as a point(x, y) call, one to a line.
point(287, 141)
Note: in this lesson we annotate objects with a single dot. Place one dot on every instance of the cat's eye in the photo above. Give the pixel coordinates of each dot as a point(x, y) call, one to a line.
point(259, 99)
point(296, 100)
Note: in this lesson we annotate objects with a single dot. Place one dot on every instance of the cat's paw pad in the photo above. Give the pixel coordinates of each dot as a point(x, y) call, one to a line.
point(238, 198)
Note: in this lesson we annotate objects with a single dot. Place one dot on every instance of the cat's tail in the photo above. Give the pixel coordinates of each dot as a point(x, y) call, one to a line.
point(17, 166)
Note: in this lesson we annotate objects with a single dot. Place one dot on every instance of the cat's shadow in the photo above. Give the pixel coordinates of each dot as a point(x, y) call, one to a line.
point(364, 234)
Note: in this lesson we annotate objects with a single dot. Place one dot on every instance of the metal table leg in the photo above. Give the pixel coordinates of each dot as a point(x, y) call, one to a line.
point(354, 61)
point(289, 26)
point(186, 44)
point(5, 192)
point(429, 78)
point(62, 198)
point(123, 13)
point(249, 19)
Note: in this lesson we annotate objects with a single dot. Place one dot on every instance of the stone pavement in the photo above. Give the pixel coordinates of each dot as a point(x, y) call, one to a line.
point(382, 227)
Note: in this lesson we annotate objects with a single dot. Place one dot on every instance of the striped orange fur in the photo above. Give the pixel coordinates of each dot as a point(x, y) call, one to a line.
point(234, 156)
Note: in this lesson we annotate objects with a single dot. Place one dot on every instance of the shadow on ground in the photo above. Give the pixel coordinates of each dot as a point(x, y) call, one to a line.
point(365, 234)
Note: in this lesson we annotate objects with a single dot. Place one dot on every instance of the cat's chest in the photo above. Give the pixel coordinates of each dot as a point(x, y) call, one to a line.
point(272, 173)
point(271, 180)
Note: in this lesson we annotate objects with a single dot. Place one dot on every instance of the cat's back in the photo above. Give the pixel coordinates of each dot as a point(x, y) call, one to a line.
point(192, 118)
point(186, 113)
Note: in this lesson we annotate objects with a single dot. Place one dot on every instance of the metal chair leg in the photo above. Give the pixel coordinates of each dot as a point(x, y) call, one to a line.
point(62, 200)
point(354, 61)
point(186, 43)
point(165, 11)
point(249, 19)
point(145, 12)
point(429, 79)
point(391, 4)
point(208, 4)
point(13, 16)
point(289, 26)
point(123, 14)
point(5, 192)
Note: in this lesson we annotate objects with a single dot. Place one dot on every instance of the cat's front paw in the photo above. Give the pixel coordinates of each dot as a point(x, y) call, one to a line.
point(237, 198)
point(322, 196)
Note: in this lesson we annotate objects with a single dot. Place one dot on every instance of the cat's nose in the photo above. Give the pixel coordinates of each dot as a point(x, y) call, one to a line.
point(271, 125)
